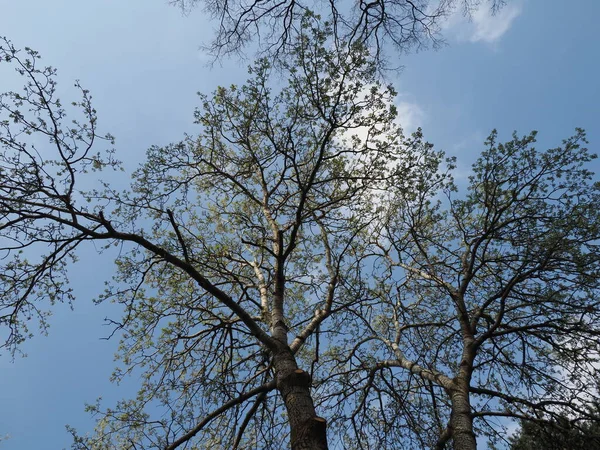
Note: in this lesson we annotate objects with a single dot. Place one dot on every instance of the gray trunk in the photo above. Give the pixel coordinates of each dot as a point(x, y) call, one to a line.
point(461, 420)
point(308, 431)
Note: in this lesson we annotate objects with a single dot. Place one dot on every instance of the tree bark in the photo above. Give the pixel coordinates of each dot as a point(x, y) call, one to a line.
point(308, 431)
point(461, 420)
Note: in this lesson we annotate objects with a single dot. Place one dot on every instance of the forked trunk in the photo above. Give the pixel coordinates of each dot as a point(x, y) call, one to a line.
point(308, 431)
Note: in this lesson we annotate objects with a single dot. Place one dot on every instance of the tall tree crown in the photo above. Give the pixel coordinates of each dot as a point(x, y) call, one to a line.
point(300, 270)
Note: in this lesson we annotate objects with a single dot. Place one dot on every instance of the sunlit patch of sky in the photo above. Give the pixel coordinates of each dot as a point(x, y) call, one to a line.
point(483, 25)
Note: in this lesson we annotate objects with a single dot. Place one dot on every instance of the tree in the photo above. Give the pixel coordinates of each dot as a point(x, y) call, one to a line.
point(405, 24)
point(236, 245)
point(301, 263)
point(562, 434)
point(487, 303)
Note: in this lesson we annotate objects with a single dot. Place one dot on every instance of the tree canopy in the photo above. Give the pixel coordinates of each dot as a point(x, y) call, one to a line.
point(560, 434)
point(487, 301)
point(274, 26)
point(237, 240)
point(302, 274)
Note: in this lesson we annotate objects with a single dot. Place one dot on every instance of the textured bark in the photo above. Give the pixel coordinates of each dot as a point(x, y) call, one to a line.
point(461, 420)
point(308, 431)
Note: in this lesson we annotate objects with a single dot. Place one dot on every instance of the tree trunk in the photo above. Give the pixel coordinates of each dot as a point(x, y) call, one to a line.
point(461, 420)
point(308, 431)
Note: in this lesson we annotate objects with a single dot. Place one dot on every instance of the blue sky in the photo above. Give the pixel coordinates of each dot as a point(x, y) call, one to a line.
point(534, 66)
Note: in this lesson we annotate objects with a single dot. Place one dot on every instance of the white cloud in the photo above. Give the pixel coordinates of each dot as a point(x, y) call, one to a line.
point(482, 26)
point(489, 28)
point(410, 116)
